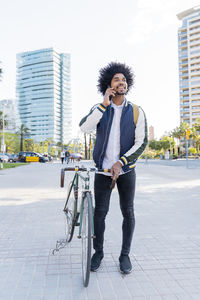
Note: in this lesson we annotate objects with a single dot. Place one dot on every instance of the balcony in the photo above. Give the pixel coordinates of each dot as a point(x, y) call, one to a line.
point(184, 85)
point(197, 82)
point(183, 98)
point(184, 104)
point(184, 93)
point(183, 38)
point(184, 74)
point(196, 107)
point(195, 96)
point(183, 55)
point(184, 110)
point(194, 42)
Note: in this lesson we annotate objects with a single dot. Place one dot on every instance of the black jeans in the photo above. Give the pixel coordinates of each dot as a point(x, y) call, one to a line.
point(126, 189)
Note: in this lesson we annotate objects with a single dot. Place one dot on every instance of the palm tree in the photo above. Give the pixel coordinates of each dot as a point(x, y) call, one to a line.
point(22, 132)
point(197, 125)
point(179, 132)
point(1, 120)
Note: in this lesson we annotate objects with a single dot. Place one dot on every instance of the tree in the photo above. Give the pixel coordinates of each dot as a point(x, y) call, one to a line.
point(179, 132)
point(197, 125)
point(28, 145)
point(1, 120)
point(23, 131)
point(167, 142)
point(155, 145)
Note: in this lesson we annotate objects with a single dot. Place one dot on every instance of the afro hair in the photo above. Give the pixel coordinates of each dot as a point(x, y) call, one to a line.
point(107, 73)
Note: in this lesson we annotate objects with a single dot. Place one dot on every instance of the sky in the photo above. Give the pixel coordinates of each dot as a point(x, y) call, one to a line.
point(140, 33)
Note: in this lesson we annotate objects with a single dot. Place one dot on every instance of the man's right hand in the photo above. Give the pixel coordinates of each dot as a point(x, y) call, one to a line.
point(109, 92)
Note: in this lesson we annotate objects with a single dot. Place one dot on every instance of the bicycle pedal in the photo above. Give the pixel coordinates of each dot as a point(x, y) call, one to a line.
point(77, 224)
point(79, 236)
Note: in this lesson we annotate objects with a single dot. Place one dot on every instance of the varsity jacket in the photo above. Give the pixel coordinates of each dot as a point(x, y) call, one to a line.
point(133, 138)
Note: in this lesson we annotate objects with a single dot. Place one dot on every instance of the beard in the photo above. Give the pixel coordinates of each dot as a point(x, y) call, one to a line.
point(123, 92)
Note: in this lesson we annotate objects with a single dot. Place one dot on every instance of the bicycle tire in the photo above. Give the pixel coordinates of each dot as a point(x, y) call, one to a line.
point(70, 215)
point(86, 237)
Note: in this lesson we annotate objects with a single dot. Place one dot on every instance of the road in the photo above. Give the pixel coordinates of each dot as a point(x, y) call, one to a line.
point(165, 251)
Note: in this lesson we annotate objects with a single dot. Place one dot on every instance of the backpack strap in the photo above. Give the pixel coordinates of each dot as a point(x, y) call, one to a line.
point(135, 113)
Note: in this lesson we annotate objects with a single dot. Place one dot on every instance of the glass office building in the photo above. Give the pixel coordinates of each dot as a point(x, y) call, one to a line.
point(189, 65)
point(44, 94)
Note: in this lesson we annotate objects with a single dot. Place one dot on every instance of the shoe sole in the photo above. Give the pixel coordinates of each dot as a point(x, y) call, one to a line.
point(125, 272)
point(94, 270)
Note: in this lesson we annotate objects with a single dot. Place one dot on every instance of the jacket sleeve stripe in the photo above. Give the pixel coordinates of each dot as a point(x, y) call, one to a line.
point(101, 107)
point(124, 160)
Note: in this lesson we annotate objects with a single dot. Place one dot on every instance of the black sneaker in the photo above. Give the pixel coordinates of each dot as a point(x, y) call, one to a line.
point(96, 261)
point(125, 264)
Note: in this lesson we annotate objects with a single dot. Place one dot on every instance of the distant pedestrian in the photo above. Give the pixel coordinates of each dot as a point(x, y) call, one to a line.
point(62, 156)
point(67, 155)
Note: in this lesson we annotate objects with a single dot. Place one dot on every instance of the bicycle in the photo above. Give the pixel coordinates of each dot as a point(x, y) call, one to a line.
point(78, 211)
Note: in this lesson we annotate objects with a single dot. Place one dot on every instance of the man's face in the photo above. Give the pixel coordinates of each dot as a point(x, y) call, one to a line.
point(119, 84)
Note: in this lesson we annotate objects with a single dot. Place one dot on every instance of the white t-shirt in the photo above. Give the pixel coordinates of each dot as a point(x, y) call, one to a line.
point(112, 154)
point(62, 154)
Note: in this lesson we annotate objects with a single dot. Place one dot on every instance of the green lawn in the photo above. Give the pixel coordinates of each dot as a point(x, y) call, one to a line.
point(11, 165)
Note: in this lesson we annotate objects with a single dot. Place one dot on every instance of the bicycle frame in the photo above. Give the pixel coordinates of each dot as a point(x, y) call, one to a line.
point(79, 207)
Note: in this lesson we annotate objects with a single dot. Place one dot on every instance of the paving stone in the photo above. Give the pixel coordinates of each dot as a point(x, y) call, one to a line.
point(165, 250)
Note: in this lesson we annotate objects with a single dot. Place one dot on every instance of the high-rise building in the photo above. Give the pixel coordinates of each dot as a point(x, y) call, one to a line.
point(151, 133)
point(189, 64)
point(44, 94)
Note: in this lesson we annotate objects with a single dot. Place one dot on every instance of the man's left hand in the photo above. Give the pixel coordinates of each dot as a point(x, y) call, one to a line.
point(115, 170)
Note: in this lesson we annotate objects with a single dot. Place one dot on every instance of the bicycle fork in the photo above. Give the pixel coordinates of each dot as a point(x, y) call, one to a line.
point(81, 214)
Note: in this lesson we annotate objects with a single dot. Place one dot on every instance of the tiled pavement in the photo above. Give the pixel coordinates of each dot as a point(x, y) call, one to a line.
point(166, 245)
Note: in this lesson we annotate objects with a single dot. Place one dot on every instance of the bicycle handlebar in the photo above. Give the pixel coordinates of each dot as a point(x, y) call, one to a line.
point(83, 169)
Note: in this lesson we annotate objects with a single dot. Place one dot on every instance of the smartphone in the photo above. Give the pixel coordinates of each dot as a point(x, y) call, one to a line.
point(110, 97)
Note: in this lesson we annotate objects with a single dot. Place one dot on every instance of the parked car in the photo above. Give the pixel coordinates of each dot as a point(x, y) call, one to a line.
point(31, 157)
point(48, 156)
point(3, 157)
point(75, 156)
point(12, 158)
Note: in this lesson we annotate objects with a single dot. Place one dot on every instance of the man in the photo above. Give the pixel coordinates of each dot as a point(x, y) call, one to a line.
point(119, 142)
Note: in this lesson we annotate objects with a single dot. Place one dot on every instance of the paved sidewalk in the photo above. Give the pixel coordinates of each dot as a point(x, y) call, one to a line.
point(165, 250)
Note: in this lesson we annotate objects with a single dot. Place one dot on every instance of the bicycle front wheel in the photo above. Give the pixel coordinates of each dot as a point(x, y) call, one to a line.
point(86, 236)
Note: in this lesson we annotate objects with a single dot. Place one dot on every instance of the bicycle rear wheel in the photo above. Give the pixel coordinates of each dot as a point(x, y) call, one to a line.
point(70, 214)
point(86, 236)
